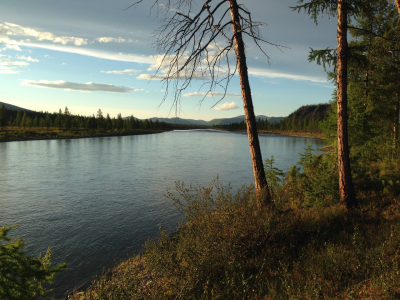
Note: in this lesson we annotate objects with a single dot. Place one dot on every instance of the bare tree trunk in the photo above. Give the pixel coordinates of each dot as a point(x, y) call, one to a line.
point(258, 168)
point(346, 189)
point(396, 119)
point(398, 5)
point(395, 124)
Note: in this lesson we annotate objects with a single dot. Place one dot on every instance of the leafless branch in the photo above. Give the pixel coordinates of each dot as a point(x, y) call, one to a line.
point(196, 42)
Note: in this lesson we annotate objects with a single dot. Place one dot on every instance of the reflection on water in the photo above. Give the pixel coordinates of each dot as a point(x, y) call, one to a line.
point(93, 200)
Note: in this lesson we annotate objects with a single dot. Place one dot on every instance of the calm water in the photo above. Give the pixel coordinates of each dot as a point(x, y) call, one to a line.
point(95, 200)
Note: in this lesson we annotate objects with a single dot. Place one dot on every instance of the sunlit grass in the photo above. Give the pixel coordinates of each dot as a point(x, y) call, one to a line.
point(228, 248)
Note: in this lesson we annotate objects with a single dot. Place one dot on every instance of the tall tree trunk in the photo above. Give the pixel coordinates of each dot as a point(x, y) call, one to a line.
point(398, 5)
point(346, 189)
point(396, 119)
point(256, 158)
point(396, 123)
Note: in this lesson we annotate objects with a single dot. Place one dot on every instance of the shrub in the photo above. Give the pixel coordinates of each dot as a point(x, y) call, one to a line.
point(22, 276)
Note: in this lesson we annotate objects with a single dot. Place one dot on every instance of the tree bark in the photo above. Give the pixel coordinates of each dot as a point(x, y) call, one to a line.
point(260, 181)
point(395, 124)
point(398, 5)
point(346, 189)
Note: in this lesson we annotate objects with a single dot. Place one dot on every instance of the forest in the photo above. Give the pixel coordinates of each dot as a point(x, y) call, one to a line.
point(306, 119)
point(26, 125)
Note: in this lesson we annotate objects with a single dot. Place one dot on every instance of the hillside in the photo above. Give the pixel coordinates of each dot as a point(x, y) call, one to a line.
point(14, 107)
point(311, 112)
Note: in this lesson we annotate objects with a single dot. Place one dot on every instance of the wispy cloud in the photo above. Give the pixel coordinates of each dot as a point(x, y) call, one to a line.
point(162, 64)
point(29, 37)
point(13, 63)
point(5, 70)
point(18, 30)
point(8, 66)
point(30, 59)
point(112, 39)
point(127, 71)
point(151, 77)
point(81, 87)
point(271, 74)
point(116, 56)
point(226, 106)
point(13, 47)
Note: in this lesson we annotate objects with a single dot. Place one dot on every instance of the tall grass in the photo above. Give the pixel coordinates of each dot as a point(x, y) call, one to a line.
point(228, 248)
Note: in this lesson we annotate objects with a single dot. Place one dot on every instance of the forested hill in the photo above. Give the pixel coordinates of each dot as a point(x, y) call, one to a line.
point(311, 112)
point(14, 108)
point(305, 119)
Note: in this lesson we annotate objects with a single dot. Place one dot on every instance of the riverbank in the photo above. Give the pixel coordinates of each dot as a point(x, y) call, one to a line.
point(236, 250)
point(16, 135)
point(316, 135)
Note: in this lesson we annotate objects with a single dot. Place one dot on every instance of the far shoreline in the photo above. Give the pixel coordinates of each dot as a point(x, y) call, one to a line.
point(33, 135)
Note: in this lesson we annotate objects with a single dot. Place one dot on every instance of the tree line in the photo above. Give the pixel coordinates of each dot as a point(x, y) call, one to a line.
point(65, 120)
point(288, 124)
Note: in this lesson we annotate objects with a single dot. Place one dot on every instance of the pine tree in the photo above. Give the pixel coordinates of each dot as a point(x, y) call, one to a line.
point(3, 116)
point(340, 9)
point(22, 276)
point(18, 118)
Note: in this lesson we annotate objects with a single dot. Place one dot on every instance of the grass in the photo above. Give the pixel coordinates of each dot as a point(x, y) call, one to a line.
point(14, 134)
point(227, 248)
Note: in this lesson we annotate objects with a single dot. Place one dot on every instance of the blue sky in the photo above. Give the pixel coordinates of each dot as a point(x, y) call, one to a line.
point(94, 54)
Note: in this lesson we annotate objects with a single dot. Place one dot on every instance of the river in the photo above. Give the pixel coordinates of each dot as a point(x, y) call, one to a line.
point(97, 200)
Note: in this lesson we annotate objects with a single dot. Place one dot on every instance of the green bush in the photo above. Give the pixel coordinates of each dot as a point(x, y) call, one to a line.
point(22, 277)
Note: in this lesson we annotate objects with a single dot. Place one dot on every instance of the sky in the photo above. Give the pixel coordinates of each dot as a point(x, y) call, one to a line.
point(96, 54)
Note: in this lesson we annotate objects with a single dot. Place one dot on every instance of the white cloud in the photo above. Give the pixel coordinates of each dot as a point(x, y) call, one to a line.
point(162, 63)
point(13, 47)
point(151, 77)
point(110, 39)
point(18, 30)
point(215, 94)
point(226, 106)
point(14, 63)
point(271, 74)
point(127, 71)
point(30, 59)
point(8, 71)
point(82, 87)
point(128, 57)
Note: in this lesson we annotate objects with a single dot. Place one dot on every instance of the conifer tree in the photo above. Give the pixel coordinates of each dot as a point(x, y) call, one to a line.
point(340, 9)
point(18, 118)
point(47, 121)
point(23, 120)
point(22, 276)
point(3, 116)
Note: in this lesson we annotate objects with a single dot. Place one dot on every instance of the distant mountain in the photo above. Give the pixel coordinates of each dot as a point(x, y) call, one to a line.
point(13, 107)
point(225, 121)
point(180, 121)
point(241, 118)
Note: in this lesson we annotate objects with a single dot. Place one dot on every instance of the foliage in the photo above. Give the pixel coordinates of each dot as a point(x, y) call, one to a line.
point(22, 276)
point(272, 173)
point(314, 183)
point(3, 116)
point(227, 248)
